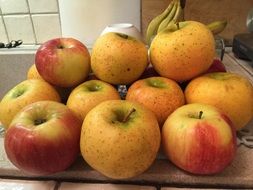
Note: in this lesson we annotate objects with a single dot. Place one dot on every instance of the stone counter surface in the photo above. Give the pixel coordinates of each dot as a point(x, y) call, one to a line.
point(161, 175)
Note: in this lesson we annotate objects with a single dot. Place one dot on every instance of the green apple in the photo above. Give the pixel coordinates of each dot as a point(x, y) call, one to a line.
point(120, 138)
point(22, 94)
point(89, 94)
point(118, 58)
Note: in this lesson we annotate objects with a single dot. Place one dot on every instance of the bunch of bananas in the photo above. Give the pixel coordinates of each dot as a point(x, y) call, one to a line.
point(172, 14)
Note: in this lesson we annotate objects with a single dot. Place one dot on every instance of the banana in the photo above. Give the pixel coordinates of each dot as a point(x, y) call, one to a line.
point(177, 16)
point(154, 24)
point(169, 17)
point(217, 27)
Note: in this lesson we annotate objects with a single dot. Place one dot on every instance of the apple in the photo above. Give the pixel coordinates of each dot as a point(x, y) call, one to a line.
point(183, 51)
point(159, 94)
point(230, 92)
point(199, 139)
point(63, 62)
point(43, 138)
point(120, 138)
point(217, 66)
point(118, 58)
point(89, 94)
point(33, 73)
point(22, 94)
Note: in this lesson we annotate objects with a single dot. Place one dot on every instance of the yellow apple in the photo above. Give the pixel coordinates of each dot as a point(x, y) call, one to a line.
point(183, 51)
point(231, 93)
point(89, 94)
point(33, 73)
point(118, 58)
point(22, 94)
point(161, 95)
point(120, 138)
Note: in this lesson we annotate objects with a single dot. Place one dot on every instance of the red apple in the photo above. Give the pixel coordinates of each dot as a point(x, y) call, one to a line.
point(63, 62)
point(199, 138)
point(43, 138)
point(217, 66)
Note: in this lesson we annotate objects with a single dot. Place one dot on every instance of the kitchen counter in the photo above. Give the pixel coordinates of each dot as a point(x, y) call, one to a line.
point(162, 173)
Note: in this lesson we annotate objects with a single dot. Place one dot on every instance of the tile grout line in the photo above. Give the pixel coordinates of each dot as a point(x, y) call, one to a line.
point(59, 15)
point(34, 34)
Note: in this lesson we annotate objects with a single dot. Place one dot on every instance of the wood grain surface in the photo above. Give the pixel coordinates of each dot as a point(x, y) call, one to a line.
point(234, 11)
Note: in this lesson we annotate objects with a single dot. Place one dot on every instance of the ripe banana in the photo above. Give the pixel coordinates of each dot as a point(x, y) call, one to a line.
point(154, 24)
point(217, 26)
point(169, 17)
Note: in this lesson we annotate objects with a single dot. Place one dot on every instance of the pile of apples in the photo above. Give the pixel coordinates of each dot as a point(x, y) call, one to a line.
point(70, 104)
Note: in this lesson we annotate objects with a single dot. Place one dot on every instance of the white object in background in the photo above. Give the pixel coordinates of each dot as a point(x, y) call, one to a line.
point(125, 28)
point(86, 19)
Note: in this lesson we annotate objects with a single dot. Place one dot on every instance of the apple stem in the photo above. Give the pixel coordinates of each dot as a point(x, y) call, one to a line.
point(128, 115)
point(39, 121)
point(200, 114)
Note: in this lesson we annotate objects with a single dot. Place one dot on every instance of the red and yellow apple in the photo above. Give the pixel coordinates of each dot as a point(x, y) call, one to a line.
point(230, 92)
point(199, 138)
point(183, 51)
point(217, 66)
point(63, 62)
point(159, 94)
point(43, 138)
point(89, 94)
point(22, 94)
point(120, 138)
point(118, 58)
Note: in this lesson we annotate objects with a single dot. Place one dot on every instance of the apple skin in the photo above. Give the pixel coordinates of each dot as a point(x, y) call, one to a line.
point(47, 147)
point(199, 146)
point(118, 149)
point(217, 66)
point(89, 94)
point(159, 94)
point(184, 53)
point(33, 73)
point(118, 59)
point(63, 62)
point(230, 92)
point(22, 94)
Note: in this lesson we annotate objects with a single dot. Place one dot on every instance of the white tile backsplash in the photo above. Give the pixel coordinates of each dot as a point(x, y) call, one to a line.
point(13, 6)
point(41, 24)
point(43, 6)
point(3, 35)
point(36, 21)
point(19, 27)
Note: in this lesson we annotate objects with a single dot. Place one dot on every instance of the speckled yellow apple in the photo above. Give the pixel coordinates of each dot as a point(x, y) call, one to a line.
point(89, 94)
point(33, 73)
point(230, 92)
point(118, 58)
point(159, 94)
point(22, 94)
point(183, 51)
point(120, 138)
